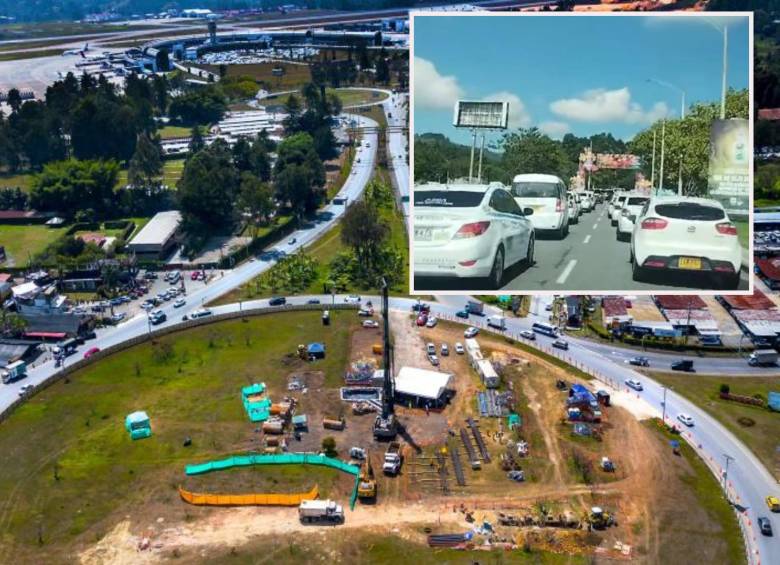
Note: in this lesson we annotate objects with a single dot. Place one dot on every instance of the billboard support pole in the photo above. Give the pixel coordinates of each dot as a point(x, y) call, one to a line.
point(661, 171)
point(481, 150)
point(471, 162)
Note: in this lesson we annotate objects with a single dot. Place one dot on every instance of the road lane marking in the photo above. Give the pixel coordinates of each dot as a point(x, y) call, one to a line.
point(566, 272)
point(587, 239)
point(596, 225)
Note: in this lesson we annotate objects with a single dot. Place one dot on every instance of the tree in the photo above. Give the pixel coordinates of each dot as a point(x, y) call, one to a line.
point(69, 186)
point(14, 99)
point(292, 107)
point(12, 324)
point(207, 189)
point(196, 141)
point(103, 127)
point(293, 184)
point(259, 160)
point(329, 446)
point(203, 106)
point(382, 70)
point(241, 154)
point(163, 60)
point(146, 165)
point(256, 200)
point(364, 231)
point(530, 151)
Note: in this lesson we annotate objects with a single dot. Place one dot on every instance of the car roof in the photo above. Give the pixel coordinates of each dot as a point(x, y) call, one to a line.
point(536, 177)
point(674, 199)
point(460, 186)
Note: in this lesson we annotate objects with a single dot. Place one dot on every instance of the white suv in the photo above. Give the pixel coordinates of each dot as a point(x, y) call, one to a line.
point(686, 234)
point(614, 207)
point(546, 196)
point(628, 213)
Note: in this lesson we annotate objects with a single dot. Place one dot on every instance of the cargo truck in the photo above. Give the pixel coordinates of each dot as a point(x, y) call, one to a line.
point(392, 463)
point(320, 511)
point(498, 322)
point(475, 307)
point(763, 357)
point(14, 371)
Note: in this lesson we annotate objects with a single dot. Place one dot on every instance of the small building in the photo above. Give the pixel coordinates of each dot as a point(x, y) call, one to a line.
point(614, 312)
point(488, 374)
point(573, 312)
point(12, 350)
point(158, 237)
point(421, 387)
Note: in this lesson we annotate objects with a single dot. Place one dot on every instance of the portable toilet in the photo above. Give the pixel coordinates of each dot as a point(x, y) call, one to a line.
point(138, 425)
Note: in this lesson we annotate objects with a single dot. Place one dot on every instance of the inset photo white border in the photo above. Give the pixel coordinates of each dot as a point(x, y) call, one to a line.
point(612, 100)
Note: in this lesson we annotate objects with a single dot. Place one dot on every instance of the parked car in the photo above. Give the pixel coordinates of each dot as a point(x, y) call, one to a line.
point(422, 319)
point(277, 301)
point(470, 332)
point(313, 301)
point(685, 419)
point(25, 389)
point(573, 207)
point(628, 214)
point(462, 313)
point(459, 348)
point(639, 361)
point(90, 352)
point(445, 350)
point(764, 525)
point(546, 196)
point(179, 303)
point(528, 334)
point(292, 241)
point(370, 324)
point(430, 348)
point(434, 360)
point(685, 234)
point(773, 503)
point(352, 299)
point(561, 344)
point(432, 321)
point(470, 231)
point(683, 365)
point(421, 307)
point(194, 275)
point(633, 383)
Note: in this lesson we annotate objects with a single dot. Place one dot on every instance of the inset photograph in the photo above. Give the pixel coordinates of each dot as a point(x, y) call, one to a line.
point(582, 153)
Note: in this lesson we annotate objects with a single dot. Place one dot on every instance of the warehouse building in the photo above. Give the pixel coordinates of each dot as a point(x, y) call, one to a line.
point(158, 237)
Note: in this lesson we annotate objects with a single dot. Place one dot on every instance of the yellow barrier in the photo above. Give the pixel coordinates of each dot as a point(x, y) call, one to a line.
point(258, 499)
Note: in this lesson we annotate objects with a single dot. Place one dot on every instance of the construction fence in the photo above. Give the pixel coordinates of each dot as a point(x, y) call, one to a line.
point(252, 499)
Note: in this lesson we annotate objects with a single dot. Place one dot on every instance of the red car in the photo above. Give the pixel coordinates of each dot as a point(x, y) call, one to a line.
point(422, 319)
point(194, 276)
point(90, 352)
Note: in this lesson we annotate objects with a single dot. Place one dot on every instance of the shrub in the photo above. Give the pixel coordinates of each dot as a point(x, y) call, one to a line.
point(725, 389)
point(329, 446)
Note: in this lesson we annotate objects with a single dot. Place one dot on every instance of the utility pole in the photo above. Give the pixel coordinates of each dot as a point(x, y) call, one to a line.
point(652, 168)
point(728, 459)
point(471, 162)
point(663, 407)
point(481, 150)
point(661, 172)
point(725, 72)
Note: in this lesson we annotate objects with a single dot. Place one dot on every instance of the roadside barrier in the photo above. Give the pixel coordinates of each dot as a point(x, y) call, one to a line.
point(254, 499)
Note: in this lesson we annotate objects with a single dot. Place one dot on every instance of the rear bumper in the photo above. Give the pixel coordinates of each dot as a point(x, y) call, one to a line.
point(708, 265)
point(548, 221)
point(456, 259)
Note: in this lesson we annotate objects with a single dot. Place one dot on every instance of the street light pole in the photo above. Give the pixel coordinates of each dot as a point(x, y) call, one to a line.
point(728, 459)
point(725, 72)
point(663, 407)
point(652, 168)
point(661, 172)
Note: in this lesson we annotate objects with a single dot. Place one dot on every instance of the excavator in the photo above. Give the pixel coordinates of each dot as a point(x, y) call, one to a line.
point(600, 519)
point(366, 481)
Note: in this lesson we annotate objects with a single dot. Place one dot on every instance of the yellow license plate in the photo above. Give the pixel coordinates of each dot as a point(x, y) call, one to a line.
point(689, 263)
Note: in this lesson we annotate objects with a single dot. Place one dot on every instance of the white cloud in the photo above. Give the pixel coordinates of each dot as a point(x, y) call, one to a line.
point(554, 129)
point(518, 115)
point(432, 90)
point(601, 105)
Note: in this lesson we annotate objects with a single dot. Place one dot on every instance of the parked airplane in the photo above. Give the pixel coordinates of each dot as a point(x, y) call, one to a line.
point(77, 51)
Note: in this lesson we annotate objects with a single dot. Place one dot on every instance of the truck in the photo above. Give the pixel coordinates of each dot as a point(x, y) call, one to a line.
point(498, 322)
point(14, 372)
point(763, 357)
point(311, 511)
point(68, 347)
point(475, 307)
point(488, 374)
point(392, 463)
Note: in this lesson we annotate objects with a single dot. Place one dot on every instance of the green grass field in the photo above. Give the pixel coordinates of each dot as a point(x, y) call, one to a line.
point(763, 438)
point(6, 56)
point(75, 469)
point(168, 132)
point(350, 97)
point(172, 170)
point(23, 242)
point(295, 75)
point(22, 181)
point(46, 29)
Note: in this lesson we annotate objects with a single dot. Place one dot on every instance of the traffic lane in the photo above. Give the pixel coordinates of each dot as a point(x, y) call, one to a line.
point(591, 258)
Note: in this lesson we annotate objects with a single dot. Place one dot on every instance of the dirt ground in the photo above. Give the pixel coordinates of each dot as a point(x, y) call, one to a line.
point(659, 520)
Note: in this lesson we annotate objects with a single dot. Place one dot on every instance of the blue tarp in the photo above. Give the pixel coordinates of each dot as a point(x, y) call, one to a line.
point(774, 401)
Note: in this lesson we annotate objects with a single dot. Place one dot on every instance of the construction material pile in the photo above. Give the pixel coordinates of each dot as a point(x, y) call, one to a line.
point(361, 372)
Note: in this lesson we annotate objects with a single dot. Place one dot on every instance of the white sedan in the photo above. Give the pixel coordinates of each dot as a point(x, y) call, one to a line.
point(470, 332)
point(469, 230)
point(685, 234)
point(685, 419)
point(179, 303)
point(628, 214)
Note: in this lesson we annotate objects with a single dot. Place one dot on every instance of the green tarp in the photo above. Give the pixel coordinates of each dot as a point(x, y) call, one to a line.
point(257, 411)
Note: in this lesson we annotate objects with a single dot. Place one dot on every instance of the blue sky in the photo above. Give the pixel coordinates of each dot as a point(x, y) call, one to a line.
point(578, 74)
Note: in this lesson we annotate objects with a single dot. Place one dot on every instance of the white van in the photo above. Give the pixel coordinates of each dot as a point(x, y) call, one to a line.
point(546, 195)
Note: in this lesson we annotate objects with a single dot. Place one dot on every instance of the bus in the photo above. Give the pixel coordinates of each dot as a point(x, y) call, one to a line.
point(545, 329)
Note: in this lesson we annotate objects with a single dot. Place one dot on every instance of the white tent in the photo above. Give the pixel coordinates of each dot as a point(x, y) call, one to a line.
point(421, 383)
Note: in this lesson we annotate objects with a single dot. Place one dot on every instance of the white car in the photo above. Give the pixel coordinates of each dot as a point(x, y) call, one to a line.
point(686, 419)
point(445, 350)
point(628, 214)
point(686, 234)
point(469, 230)
point(588, 200)
point(179, 303)
point(574, 208)
point(434, 360)
point(370, 324)
point(352, 299)
point(616, 205)
point(25, 389)
point(470, 332)
point(432, 321)
point(633, 383)
point(528, 334)
point(430, 348)
point(546, 196)
point(459, 348)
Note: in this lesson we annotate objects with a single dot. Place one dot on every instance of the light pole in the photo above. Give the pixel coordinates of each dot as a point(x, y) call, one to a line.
point(663, 408)
point(724, 74)
point(728, 459)
point(682, 117)
point(661, 172)
point(652, 168)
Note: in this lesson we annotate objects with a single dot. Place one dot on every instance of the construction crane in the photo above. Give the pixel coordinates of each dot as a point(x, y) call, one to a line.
point(386, 423)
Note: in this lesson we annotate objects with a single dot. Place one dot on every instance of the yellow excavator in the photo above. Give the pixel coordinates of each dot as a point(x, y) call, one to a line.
point(366, 481)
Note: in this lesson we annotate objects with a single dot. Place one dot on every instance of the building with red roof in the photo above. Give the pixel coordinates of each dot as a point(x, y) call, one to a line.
point(676, 302)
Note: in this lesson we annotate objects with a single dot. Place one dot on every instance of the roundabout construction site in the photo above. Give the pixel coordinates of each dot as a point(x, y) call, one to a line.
point(223, 471)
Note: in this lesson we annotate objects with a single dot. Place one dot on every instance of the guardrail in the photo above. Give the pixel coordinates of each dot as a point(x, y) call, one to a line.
point(160, 332)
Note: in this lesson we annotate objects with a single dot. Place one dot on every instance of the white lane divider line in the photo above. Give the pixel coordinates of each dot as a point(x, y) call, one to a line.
point(566, 272)
point(587, 239)
point(596, 225)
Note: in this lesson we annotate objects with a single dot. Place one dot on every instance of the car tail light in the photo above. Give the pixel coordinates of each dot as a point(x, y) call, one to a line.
point(467, 263)
point(726, 228)
point(655, 263)
point(472, 230)
point(654, 224)
point(559, 205)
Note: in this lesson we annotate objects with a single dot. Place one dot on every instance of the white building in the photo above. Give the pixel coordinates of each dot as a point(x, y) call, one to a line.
point(421, 387)
point(157, 237)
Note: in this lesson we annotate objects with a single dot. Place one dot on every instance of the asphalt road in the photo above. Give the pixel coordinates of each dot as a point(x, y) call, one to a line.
point(397, 142)
point(590, 258)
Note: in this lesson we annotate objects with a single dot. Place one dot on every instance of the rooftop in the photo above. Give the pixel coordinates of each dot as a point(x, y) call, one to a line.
point(422, 383)
point(159, 229)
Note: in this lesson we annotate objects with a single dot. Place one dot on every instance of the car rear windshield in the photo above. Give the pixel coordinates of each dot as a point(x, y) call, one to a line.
point(690, 211)
point(636, 201)
point(535, 189)
point(448, 198)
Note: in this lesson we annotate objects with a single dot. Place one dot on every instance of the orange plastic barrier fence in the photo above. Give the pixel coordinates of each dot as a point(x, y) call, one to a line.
point(205, 499)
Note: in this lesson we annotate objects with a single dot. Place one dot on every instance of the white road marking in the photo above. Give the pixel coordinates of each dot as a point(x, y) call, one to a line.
point(596, 225)
point(566, 272)
point(587, 239)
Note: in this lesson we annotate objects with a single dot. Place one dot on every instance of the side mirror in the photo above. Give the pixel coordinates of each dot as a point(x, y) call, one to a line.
point(528, 211)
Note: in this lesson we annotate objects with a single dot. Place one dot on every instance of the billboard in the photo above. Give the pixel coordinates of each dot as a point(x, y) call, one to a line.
point(487, 115)
point(729, 172)
point(595, 161)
